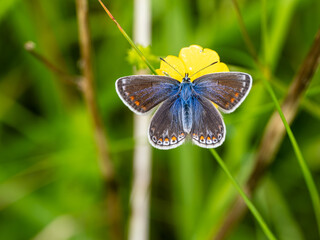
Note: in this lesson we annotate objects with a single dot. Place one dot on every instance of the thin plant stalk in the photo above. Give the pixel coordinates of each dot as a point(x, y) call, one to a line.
point(140, 196)
point(133, 45)
point(249, 204)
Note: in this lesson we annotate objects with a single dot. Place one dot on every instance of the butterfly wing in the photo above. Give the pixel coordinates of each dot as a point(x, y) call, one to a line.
point(166, 129)
point(141, 93)
point(226, 89)
point(208, 129)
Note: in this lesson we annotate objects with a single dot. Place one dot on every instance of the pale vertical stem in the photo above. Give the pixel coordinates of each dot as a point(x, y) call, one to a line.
point(139, 220)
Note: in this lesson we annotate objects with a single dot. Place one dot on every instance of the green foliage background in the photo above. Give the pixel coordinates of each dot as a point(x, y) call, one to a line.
point(49, 173)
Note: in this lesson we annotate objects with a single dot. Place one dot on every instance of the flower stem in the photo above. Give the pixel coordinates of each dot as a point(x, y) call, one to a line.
point(250, 205)
point(143, 58)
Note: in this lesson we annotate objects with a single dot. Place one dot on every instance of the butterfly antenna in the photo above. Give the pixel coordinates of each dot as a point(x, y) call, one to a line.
point(203, 68)
point(171, 66)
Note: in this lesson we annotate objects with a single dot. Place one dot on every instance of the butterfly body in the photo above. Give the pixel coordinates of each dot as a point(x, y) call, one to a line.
point(187, 107)
point(186, 94)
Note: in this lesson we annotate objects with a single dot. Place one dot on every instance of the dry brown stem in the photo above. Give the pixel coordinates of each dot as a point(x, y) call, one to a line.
point(113, 200)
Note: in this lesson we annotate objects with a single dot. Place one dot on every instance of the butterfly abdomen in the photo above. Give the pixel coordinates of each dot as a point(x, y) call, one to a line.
point(187, 117)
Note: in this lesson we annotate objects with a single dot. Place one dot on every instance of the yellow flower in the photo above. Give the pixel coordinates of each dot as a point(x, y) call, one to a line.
point(190, 61)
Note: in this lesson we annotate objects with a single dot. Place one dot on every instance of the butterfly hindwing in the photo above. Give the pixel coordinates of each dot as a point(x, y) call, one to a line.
point(208, 129)
point(226, 89)
point(141, 93)
point(166, 130)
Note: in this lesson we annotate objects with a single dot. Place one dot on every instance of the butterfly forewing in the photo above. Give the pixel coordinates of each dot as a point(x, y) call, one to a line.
point(141, 93)
point(208, 129)
point(226, 89)
point(166, 129)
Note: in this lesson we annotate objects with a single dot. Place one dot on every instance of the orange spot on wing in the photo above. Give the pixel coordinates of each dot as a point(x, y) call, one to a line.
point(232, 99)
point(160, 139)
point(143, 108)
point(137, 103)
point(166, 139)
point(132, 98)
point(213, 138)
point(173, 138)
point(236, 94)
point(202, 138)
point(208, 138)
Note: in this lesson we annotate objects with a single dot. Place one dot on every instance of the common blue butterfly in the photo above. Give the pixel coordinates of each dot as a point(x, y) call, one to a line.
point(187, 107)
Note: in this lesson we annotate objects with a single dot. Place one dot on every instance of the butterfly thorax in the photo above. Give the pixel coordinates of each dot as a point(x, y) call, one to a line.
point(186, 88)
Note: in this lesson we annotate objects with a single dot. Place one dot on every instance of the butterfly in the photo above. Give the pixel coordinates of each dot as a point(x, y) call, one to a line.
point(187, 107)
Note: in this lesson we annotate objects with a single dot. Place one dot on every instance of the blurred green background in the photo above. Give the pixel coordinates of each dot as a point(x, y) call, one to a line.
point(49, 173)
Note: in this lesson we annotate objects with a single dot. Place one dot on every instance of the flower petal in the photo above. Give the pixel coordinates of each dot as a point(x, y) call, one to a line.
point(176, 70)
point(195, 58)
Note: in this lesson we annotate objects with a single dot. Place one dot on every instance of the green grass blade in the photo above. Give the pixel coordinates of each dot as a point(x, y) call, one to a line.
point(303, 165)
point(250, 205)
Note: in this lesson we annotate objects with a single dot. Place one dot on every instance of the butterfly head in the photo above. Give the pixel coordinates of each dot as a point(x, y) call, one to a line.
point(186, 78)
